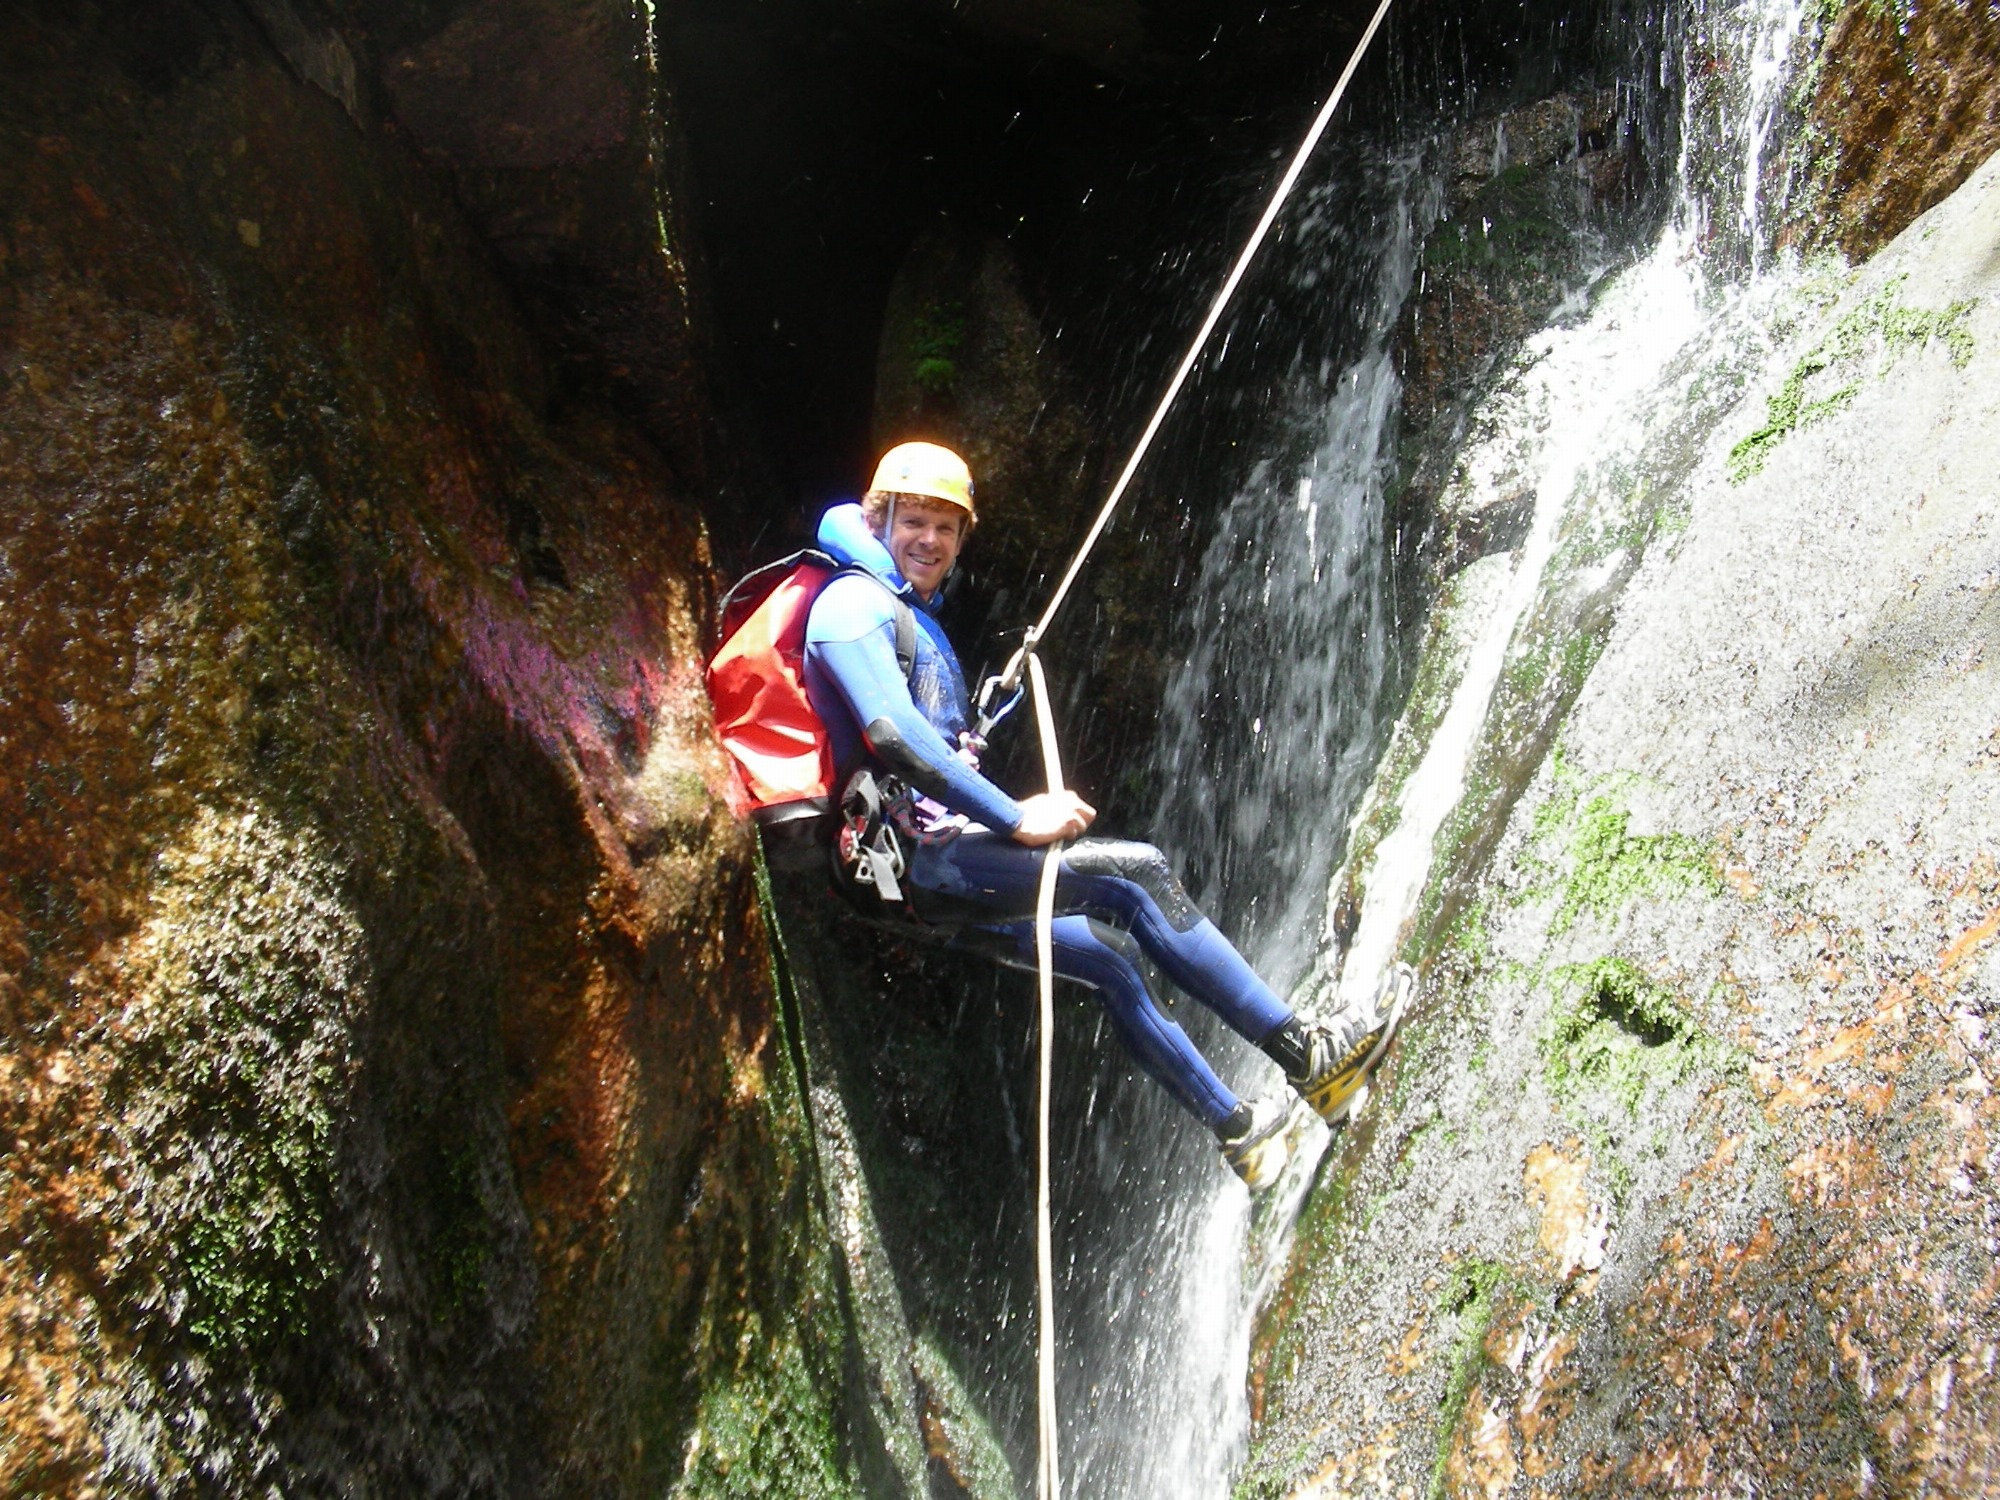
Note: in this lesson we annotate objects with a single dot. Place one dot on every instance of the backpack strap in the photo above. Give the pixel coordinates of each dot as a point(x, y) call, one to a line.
point(906, 638)
point(906, 618)
point(755, 586)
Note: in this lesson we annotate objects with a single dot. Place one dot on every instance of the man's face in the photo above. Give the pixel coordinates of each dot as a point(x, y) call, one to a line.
point(924, 540)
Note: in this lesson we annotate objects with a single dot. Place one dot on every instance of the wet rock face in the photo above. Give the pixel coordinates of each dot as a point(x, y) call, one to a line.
point(964, 361)
point(1518, 188)
point(388, 1093)
point(1682, 1178)
point(1533, 200)
point(1906, 106)
point(553, 123)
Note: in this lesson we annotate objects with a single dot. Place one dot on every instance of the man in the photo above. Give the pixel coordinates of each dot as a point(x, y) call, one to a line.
point(919, 815)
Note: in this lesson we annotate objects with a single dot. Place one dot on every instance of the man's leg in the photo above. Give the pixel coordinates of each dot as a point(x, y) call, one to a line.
point(1124, 884)
point(1131, 886)
point(1251, 1136)
point(1107, 960)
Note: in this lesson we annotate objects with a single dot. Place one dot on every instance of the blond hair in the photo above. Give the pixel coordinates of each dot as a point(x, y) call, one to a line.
point(875, 508)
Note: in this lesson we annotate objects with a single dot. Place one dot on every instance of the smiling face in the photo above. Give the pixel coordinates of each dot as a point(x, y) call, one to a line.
point(923, 536)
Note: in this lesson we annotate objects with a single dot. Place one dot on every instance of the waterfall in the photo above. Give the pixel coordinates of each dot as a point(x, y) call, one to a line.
point(1272, 725)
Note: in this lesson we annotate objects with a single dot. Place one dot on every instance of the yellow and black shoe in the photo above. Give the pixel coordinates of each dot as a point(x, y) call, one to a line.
point(1343, 1052)
point(1257, 1146)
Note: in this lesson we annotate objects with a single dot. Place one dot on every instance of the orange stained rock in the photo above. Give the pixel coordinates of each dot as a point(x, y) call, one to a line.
point(1741, 881)
point(1482, 1460)
point(1983, 874)
point(1873, 1099)
point(52, 1446)
point(1801, 1089)
point(1545, 1406)
point(1727, 1149)
point(1405, 1358)
point(1682, 1465)
point(1573, 1227)
point(1825, 1175)
point(1968, 943)
point(1354, 1472)
point(1506, 1342)
point(1966, 1140)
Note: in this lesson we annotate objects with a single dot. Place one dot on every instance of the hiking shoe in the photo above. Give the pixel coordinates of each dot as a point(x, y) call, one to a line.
point(1344, 1051)
point(1258, 1152)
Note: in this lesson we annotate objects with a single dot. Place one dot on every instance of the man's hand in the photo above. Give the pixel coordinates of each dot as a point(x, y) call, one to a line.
point(1048, 816)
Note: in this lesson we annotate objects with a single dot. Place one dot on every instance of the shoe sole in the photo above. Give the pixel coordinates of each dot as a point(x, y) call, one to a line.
point(1401, 979)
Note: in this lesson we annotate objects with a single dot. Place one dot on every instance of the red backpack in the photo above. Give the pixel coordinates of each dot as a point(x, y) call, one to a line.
point(779, 751)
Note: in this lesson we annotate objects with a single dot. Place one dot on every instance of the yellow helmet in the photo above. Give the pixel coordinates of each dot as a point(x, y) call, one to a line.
point(926, 469)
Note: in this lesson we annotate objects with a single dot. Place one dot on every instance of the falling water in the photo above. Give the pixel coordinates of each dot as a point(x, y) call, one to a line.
point(1290, 651)
point(1732, 114)
point(1273, 724)
point(1580, 397)
point(1269, 726)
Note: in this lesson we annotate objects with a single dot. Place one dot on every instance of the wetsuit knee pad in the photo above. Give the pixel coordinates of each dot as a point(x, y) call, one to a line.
point(1013, 946)
point(1118, 940)
point(1141, 864)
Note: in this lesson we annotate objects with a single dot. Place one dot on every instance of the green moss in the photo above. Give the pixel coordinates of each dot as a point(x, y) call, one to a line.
point(234, 1076)
point(1615, 1029)
point(764, 1425)
point(1439, 665)
point(977, 1462)
point(1564, 660)
point(1609, 866)
point(935, 340)
point(462, 1240)
point(1270, 1476)
point(1521, 220)
point(252, 1260)
point(1881, 319)
point(1605, 1153)
point(771, 1413)
point(1315, 1248)
point(1471, 937)
point(1473, 1294)
point(1613, 866)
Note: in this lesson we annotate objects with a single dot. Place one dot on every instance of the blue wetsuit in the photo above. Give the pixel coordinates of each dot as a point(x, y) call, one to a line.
point(1114, 899)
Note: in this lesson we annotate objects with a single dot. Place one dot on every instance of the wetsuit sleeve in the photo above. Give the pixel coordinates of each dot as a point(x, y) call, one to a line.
point(867, 675)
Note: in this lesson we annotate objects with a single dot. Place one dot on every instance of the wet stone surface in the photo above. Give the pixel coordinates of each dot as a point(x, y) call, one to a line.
point(392, 1098)
point(1681, 1180)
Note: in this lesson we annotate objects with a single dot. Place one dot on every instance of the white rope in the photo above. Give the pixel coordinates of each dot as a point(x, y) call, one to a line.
point(1049, 1474)
point(1049, 1485)
point(1012, 677)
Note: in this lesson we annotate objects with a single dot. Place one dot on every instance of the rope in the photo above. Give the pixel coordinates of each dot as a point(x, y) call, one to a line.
point(1049, 1472)
point(1049, 1485)
point(1011, 678)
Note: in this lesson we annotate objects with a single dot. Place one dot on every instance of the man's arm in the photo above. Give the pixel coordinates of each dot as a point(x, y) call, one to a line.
point(865, 670)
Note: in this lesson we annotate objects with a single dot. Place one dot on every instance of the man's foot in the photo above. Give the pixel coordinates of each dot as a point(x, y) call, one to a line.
point(1343, 1052)
point(1258, 1150)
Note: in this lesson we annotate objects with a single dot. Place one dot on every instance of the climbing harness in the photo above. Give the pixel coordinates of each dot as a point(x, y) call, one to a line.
point(1007, 686)
point(867, 852)
point(866, 848)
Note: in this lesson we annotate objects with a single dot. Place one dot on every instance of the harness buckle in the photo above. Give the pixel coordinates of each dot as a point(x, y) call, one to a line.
point(866, 849)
